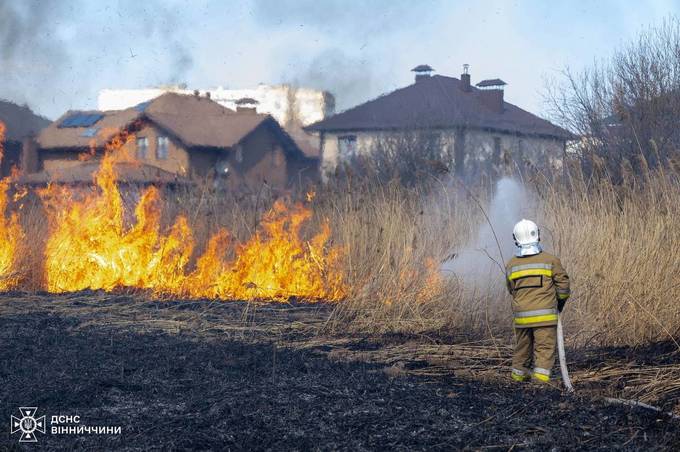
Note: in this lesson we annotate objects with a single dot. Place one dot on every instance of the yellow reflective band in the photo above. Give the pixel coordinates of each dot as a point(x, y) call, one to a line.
point(541, 377)
point(535, 319)
point(518, 377)
point(562, 296)
point(530, 272)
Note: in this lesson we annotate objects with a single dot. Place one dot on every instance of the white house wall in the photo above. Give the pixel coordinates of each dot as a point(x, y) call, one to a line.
point(479, 149)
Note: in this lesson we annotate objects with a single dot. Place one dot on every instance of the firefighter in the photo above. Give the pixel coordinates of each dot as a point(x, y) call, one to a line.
point(539, 286)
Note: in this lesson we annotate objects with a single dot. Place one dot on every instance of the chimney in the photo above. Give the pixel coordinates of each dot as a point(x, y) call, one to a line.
point(491, 94)
point(465, 78)
point(423, 72)
point(196, 93)
point(207, 94)
point(246, 105)
point(252, 110)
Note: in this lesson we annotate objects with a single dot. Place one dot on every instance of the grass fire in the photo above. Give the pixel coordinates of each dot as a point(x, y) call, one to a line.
point(91, 247)
point(251, 248)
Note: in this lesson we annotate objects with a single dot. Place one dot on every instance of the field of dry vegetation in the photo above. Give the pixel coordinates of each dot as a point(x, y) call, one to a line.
point(619, 243)
point(402, 311)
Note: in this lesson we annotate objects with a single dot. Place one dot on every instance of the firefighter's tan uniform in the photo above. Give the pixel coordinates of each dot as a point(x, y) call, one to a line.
point(535, 283)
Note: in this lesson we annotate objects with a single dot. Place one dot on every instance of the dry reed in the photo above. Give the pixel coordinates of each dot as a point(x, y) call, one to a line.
point(618, 242)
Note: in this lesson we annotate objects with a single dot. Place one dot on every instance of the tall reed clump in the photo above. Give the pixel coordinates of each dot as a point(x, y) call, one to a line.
point(395, 239)
point(621, 246)
point(620, 243)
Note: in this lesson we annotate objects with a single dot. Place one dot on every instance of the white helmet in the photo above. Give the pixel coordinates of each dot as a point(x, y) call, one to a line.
point(525, 233)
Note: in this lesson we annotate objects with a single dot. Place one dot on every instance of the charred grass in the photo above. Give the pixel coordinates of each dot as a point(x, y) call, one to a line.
point(205, 375)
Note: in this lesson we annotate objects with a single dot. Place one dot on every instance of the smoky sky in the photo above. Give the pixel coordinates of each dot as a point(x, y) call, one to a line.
point(345, 17)
point(57, 53)
point(32, 57)
point(355, 70)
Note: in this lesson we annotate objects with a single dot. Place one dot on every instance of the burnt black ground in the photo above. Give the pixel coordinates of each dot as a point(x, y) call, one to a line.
point(183, 390)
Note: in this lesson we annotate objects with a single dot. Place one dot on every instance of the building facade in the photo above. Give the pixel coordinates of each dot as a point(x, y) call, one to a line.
point(473, 129)
point(173, 137)
point(292, 107)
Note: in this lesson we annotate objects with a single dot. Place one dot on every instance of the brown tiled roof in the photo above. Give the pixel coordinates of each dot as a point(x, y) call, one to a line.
point(437, 102)
point(20, 121)
point(74, 137)
point(195, 121)
point(208, 131)
point(83, 173)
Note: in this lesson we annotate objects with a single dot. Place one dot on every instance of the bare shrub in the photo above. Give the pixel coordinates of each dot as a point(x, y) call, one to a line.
point(410, 157)
point(625, 108)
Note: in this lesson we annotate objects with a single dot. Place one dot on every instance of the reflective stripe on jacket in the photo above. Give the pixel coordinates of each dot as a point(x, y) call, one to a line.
point(536, 283)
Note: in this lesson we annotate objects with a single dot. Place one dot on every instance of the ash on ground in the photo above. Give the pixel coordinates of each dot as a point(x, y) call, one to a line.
point(233, 376)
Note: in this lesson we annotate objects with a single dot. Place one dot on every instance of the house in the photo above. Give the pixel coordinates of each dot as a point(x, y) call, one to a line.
point(293, 107)
point(477, 130)
point(173, 137)
point(20, 124)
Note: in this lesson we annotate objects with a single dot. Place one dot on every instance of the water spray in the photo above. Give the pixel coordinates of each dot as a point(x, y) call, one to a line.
point(467, 264)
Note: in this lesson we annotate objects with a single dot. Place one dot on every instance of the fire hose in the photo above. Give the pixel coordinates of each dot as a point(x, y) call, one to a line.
point(570, 388)
point(563, 356)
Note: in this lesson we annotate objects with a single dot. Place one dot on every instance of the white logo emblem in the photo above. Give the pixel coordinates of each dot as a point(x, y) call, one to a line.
point(28, 424)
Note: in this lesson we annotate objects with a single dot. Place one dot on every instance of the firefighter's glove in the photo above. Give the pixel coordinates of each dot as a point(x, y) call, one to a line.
point(560, 304)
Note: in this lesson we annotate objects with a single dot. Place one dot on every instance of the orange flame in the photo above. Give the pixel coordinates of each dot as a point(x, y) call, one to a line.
point(10, 230)
point(89, 247)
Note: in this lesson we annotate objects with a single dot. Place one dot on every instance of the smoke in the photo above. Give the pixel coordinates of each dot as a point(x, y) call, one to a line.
point(332, 70)
point(55, 54)
point(483, 260)
point(357, 70)
point(157, 22)
point(30, 49)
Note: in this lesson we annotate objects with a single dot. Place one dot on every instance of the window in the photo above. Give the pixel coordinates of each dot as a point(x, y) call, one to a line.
point(142, 147)
point(162, 148)
point(496, 146)
point(347, 146)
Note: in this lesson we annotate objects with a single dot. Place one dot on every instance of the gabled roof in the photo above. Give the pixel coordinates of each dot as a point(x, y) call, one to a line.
point(20, 121)
point(195, 121)
point(437, 102)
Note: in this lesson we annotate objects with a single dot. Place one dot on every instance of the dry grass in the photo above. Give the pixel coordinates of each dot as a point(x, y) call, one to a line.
point(618, 242)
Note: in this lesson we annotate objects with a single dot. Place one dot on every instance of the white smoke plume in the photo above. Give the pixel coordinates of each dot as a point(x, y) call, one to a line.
point(481, 263)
